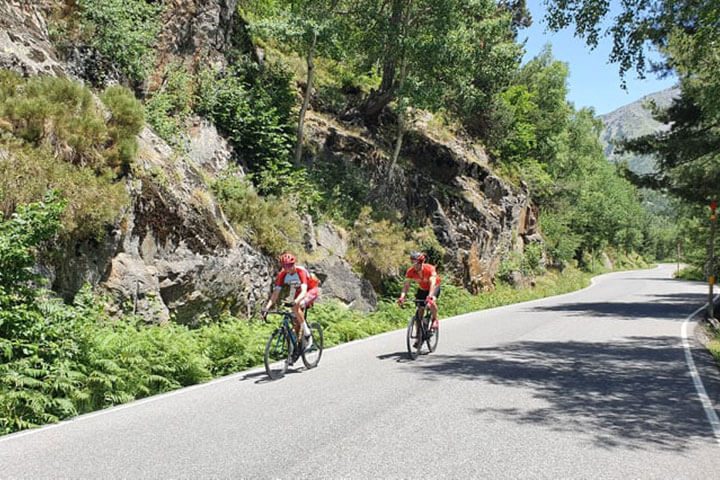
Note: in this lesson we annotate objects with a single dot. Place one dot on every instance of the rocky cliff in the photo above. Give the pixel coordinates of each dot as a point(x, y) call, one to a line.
point(172, 254)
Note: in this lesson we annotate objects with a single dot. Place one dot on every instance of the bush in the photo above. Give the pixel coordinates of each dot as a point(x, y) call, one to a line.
point(691, 273)
point(528, 263)
point(343, 190)
point(280, 178)
point(56, 136)
point(168, 108)
point(378, 247)
point(126, 121)
point(252, 107)
point(561, 242)
point(268, 222)
point(123, 31)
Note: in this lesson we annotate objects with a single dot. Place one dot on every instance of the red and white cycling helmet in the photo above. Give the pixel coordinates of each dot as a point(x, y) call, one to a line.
point(287, 259)
point(417, 257)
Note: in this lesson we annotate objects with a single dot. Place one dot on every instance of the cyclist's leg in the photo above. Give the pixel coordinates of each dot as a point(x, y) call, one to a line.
point(420, 295)
point(434, 307)
point(298, 320)
point(310, 297)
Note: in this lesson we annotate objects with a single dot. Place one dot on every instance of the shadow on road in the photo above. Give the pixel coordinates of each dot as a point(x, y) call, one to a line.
point(634, 393)
point(400, 357)
point(262, 377)
point(677, 306)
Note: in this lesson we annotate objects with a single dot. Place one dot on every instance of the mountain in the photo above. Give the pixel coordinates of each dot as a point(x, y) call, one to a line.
point(634, 120)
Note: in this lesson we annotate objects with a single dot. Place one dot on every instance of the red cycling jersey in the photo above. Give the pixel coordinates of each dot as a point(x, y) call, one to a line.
point(423, 277)
point(295, 279)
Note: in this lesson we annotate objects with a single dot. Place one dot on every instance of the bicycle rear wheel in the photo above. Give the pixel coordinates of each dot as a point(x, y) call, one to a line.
point(414, 337)
point(278, 351)
point(433, 335)
point(311, 356)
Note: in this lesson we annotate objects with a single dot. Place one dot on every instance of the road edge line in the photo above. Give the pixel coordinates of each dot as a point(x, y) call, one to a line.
point(697, 380)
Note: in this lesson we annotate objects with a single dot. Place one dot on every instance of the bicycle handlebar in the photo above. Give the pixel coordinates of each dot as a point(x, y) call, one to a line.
point(417, 302)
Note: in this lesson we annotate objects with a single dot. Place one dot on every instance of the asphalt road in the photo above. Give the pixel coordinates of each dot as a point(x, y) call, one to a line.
point(594, 384)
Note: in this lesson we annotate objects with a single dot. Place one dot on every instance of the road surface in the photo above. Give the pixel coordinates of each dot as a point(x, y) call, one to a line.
point(594, 384)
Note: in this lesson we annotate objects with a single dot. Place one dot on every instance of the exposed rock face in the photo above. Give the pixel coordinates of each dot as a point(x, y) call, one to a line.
point(173, 255)
point(474, 214)
point(327, 248)
point(24, 43)
point(199, 26)
point(206, 148)
point(199, 32)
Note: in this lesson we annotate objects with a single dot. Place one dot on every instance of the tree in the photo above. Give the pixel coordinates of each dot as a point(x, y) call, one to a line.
point(308, 27)
point(432, 54)
point(429, 50)
point(686, 33)
point(639, 24)
point(535, 140)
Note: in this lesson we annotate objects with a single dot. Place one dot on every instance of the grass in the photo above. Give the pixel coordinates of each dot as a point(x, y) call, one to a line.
point(714, 347)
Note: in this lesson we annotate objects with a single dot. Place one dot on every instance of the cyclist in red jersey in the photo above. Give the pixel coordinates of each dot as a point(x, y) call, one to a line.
point(428, 285)
point(306, 288)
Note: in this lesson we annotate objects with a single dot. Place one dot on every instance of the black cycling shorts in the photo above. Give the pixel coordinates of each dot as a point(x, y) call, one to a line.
point(423, 294)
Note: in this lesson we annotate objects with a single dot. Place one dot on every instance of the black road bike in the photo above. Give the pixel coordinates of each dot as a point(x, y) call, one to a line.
point(420, 332)
point(283, 348)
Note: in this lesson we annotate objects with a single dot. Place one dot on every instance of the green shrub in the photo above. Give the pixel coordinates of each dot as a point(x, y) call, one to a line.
point(532, 259)
point(378, 247)
point(528, 263)
point(343, 190)
point(56, 136)
point(268, 222)
point(509, 265)
point(124, 31)
point(714, 347)
point(691, 273)
point(126, 121)
point(92, 201)
point(252, 107)
point(561, 242)
point(168, 108)
point(293, 183)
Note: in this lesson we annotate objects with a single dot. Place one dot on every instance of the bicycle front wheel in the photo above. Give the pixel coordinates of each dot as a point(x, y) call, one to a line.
point(414, 338)
point(311, 356)
point(278, 351)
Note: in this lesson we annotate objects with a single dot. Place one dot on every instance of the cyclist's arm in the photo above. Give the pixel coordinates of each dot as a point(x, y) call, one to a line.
point(301, 295)
point(406, 287)
point(433, 284)
point(273, 297)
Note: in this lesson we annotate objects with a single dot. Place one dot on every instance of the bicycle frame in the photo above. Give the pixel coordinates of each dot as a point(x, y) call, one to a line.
point(423, 321)
point(287, 327)
point(419, 331)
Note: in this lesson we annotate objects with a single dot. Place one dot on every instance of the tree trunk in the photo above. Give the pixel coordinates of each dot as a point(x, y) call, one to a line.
point(398, 143)
point(400, 124)
point(306, 99)
point(379, 99)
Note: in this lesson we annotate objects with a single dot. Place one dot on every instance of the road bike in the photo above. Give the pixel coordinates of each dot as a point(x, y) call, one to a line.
point(420, 332)
point(283, 348)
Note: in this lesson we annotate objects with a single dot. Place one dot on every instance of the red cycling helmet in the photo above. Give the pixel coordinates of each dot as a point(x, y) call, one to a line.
point(417, 257)
point(287, 259)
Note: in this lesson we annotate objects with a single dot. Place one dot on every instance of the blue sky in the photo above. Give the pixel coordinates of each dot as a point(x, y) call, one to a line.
point(593, 81)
